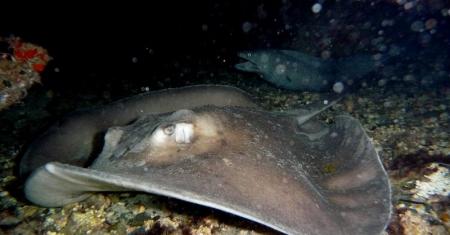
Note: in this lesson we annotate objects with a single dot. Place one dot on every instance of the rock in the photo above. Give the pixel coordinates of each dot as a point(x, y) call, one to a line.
point(9, 221)
point(413, 224)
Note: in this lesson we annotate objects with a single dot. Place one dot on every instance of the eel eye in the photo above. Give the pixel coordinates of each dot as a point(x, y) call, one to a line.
point(169, 130)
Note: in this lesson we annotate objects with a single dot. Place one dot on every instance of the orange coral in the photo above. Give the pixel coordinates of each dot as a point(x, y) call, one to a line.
point(29, 53)
point(20, 69)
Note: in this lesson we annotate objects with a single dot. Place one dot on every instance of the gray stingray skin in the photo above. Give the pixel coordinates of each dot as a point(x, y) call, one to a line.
point(294, 70)
point(307, 178)
point(78, 134)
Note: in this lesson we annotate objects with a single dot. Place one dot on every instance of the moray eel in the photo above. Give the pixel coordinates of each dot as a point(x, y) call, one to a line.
point(294, 70)
point(79, 135)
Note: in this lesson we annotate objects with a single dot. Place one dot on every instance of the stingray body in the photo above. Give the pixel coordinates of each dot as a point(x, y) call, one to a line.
point(294, 174)
point(294, 70)
point(79, 134)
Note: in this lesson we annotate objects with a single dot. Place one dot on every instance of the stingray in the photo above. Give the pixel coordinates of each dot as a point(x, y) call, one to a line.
point(291, 172)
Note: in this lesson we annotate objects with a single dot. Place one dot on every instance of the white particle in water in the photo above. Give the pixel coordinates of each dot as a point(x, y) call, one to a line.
point(382, 82)
point(417, 26)
point(316, 8)
point(388, 104)
point(204, 27)
point(377, 56)
point(382, 47)
point(338, 87)
point(431, 23)
point(325, 54)
point(246, 27)
point(408, 78)
point(408, 5)
point(280, 69)
point(386, 23)
point(264, 58)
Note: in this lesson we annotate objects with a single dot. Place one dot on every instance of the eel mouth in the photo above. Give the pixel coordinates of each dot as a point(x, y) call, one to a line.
point(247, 65)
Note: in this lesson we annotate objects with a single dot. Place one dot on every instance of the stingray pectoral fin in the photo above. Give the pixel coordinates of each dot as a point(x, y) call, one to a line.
point(56, 184)
point(356, 183)
point(348, 174)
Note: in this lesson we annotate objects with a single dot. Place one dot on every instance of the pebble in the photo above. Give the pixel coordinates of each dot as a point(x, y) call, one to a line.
point(9, 221)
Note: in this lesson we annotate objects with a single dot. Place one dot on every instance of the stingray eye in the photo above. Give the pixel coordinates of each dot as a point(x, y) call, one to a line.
point(169, 130)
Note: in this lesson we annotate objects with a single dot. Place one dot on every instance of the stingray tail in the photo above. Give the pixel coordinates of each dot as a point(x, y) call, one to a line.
point(304, 117)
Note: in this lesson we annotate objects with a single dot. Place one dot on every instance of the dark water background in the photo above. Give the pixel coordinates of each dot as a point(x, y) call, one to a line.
point(93, 46)
point(176, 41)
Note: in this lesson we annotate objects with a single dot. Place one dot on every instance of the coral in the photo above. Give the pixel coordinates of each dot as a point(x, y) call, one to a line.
point(20, 68)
